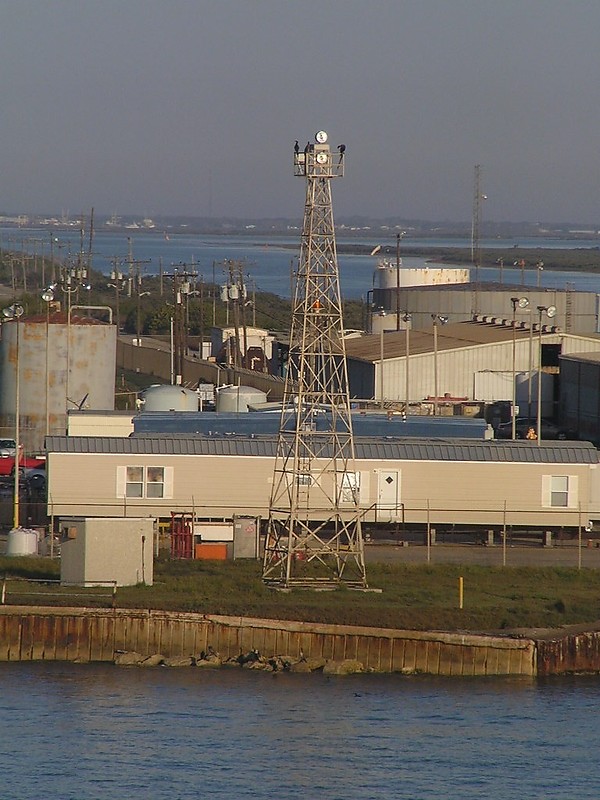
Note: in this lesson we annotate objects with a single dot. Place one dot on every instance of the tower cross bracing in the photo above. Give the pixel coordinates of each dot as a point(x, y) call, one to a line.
point(314, 536)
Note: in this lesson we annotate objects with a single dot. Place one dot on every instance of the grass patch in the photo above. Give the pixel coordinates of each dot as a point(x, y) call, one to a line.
point(413, 597)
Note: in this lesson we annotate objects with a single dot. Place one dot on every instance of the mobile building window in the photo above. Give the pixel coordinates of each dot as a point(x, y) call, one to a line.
point(135, 482)
point(559, 491)
point(145, 482)
point(155, 482)
point(350, 487)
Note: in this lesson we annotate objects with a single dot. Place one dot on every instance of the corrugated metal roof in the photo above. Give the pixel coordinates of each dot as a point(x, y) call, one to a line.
point(171, 445)
point(376, 449)
point(450, 337)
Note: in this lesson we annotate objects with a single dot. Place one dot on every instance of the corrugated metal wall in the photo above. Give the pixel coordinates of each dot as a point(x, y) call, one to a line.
point(86, 635)
point(60, 367)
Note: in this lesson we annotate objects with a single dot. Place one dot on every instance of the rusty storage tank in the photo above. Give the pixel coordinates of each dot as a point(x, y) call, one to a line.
point(238, 398)
point(169, 398)
point(62, 365)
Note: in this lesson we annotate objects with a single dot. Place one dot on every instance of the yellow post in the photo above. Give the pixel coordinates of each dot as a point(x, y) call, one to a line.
point(460, 592)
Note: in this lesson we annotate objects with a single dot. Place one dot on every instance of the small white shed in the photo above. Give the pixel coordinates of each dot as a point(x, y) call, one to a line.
point(97, 551)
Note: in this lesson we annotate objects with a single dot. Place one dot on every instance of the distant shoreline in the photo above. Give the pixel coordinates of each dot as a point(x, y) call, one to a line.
point(576, 259)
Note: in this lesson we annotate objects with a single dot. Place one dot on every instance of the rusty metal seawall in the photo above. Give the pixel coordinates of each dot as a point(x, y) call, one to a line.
point(569, 652)
point(84, 635)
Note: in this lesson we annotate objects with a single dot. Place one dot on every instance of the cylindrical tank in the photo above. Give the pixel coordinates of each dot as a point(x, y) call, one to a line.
point(238, 398)
point(169, 398)
point(388, 277)
point(62, 365)
point(21, 542)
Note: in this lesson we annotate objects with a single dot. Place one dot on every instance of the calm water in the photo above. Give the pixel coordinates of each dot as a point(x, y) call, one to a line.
point(83, 732)
point(269, 267)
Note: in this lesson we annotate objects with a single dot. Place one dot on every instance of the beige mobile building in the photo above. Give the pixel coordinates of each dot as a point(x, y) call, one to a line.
point(444, 482)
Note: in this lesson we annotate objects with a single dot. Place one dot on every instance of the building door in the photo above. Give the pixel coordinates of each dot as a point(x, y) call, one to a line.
point(388, 495)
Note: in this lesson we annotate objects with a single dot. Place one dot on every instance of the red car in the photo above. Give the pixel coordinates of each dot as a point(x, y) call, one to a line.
point(7, 465)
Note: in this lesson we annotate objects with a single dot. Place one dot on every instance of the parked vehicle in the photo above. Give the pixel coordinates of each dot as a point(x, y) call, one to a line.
point(526, 428)
point(35, 481)
point(8, 448)
point(7, 464)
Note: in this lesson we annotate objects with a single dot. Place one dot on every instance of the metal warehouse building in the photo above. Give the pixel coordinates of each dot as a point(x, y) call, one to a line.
point(473, 360)
point(576, 311)
point(580, 393)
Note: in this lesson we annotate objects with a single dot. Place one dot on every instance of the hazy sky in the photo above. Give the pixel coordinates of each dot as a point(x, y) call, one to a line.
point(192, 106)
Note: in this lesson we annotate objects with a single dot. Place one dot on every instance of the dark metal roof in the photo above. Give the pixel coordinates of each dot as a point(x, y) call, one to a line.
point(454, 336)
point(171, 445)
point(377, 449)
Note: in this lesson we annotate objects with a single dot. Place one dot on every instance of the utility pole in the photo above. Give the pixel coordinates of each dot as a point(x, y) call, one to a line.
point(182, 289)
point(201, 348)
point(91, 242)
point(314, 511)
point(117, 277)
point(11, 260)
point(134, 279)
point(236, 293)
point(134, 276)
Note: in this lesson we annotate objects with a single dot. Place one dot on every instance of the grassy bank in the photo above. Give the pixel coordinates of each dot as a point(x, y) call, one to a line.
point(413, 597)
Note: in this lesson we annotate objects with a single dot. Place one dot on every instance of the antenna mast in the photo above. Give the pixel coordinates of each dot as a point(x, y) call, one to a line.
point(476, 232)
point(314, 537)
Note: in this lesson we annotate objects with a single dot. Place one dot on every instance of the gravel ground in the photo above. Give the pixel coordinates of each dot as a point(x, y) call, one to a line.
point(561, 554)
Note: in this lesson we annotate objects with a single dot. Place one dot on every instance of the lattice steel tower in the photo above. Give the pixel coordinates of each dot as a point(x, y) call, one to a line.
point(314, 536)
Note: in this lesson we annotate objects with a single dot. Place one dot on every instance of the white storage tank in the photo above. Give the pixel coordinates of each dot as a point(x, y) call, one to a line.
point(387, 276)
point(169, 398)
point(238, 398)
point(22, 542)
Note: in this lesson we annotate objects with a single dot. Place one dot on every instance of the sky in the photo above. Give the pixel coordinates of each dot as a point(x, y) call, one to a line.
point(192, 107)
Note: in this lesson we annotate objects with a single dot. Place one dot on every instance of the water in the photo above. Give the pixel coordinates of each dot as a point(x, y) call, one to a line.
point(268, 267)
point(88, 732)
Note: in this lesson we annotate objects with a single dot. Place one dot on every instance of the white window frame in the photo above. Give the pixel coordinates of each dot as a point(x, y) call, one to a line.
point(559, 491)
point(130, 482)
point(350, 488)
point(151, 484)
point(148, 483)
point(553, 491)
